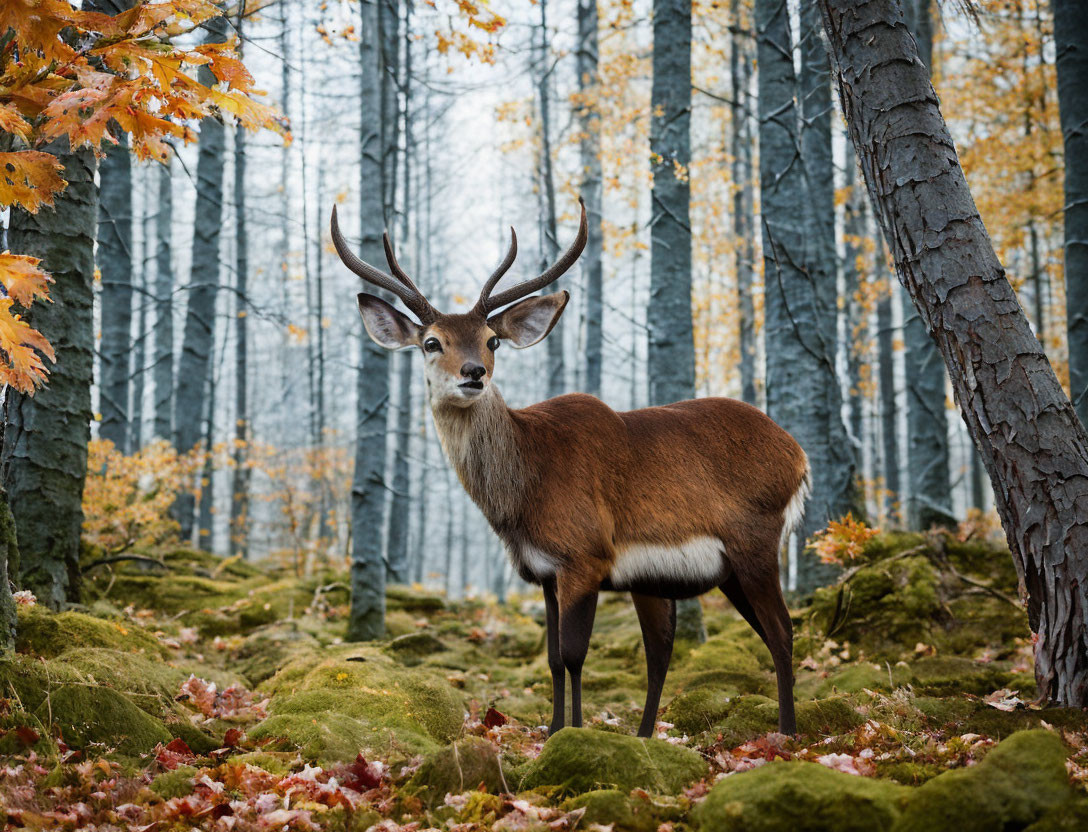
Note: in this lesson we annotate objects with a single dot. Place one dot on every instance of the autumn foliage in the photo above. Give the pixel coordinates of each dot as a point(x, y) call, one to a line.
point(79, 77)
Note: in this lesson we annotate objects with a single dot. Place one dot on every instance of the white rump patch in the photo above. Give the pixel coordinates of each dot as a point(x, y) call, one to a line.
point(698, 560)
point(538, 562)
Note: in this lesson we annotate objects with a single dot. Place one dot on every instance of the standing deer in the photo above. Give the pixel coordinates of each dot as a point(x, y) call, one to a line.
point(664, 502)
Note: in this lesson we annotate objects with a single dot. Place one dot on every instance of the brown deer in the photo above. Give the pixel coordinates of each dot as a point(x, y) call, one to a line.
point(664, 502)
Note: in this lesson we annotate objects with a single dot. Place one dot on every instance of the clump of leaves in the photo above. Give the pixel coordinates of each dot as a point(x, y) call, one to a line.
point(843, 541)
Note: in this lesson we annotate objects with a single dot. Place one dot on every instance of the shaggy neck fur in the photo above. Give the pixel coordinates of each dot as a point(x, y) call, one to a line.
point(480, 442)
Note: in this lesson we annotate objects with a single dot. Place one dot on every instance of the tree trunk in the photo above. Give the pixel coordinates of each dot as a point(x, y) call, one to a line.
point(239, 501)
point(835, 478)
point(743, 208)
point(9, 565)
point(193, 368)
point(401, 504)
point(889, 422)
point(930, 493)
point(1032, 444)
point(115, 267)
point(796, 356)
point(142, 291)
point(854, 228)
point(367, 616)
point(45, 438)
point(205, 538)
point(671, 348)
point(1071, 41)
point(590, 149)
point(163, 373)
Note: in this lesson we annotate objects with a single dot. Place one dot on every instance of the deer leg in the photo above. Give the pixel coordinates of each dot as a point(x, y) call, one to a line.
point(657, 617)
point(763, 598)
point(576, 613)
point(555, 659)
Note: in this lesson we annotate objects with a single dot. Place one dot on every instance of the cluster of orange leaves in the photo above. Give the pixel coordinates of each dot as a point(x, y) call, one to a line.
point(476, 16)
point(843, 541)
point(69, 74)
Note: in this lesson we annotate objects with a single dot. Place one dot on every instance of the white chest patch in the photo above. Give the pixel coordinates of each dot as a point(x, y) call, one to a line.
point(536, 561)
point(697, 560)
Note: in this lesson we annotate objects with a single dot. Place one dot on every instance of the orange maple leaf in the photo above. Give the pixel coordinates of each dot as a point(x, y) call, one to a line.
point(29, 178)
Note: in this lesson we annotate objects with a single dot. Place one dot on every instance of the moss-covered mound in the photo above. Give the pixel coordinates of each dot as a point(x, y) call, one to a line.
point(801, 797)
point(1019, 781)
point(624, 812)
point(88, 716)
point(739, 719)
point(469, 764)
point(581, 759)
point(44, 633)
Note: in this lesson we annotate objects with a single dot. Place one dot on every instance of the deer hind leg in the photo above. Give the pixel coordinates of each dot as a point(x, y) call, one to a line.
point(555, 659)
point(657, 617)
point(758, 598)
point(577, 609)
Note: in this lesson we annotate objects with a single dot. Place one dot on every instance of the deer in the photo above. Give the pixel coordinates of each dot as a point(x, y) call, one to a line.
point(664, 503)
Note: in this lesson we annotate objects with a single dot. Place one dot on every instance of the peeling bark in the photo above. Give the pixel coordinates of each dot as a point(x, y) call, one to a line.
point(1027, 433)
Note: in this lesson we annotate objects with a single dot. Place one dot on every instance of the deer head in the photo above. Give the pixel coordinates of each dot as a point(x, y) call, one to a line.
point(459, 348)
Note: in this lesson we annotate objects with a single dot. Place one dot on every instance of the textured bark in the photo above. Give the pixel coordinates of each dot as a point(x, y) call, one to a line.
point(45, 438)
point(889, 423)
point(239, 498)
point(1071, 40)
point(367, 617)
point(796, 356)
point(854, 231)
point(930, 493)
point(743, 208)
point(590, 150)
point(1033, 446)
point(205, 539)
point(114, 260)
point(835, 479)
point(401, 504)
point(194, 365)
point(141, 289)
point(9, 564)
point(671, 349)
point(162, 374)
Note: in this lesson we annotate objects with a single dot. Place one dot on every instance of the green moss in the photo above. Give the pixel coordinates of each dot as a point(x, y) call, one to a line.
point(698, 710)
point(399, 623)
point(947, 675)
point(465, 765)
point(580, 759)
point(752, 716)
point(732, 681)
point(1066, 818)
point(176, 783)
point(624, 813)
point(199, 742)
point(520, 638)
point(414, 647)
point(151, 684)
point(27, 680)
point(45, 633)
point(943, 712)
point(855, 678)
point(97, 715)
point(411, 600)
point(279, 764)
point(998, 724)
point(727, 651)
point(1019, 781)
point(801, 797)
point(263, 653)
point(15, 731)
point(319, 737)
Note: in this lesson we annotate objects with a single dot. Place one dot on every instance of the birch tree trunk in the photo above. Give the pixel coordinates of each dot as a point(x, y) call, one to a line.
point(162, 375)
point(1031, 442)
point(1071, 40)
point(114, 259)
point(671, 348)
point(193, 367)
point(743, 209)
point(590, 150)
point(45, 436)
point(930, 493)
point(367, 616)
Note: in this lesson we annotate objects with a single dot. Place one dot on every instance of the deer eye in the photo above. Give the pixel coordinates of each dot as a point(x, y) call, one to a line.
point(432, 345)
point(493, 343)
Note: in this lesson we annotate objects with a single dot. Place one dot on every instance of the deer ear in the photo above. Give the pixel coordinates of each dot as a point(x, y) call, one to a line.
point(526, 323)
point(385, 325)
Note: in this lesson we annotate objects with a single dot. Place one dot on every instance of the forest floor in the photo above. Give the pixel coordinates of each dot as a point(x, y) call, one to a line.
point(211, 694)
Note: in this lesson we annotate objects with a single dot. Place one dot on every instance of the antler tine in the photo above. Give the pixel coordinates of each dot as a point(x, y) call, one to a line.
point(527, 287)
point(496, 276)
point(394, 266)
point(409, 294)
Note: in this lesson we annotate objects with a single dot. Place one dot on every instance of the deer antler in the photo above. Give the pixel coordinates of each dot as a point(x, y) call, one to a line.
point(402, 287)
point(487, 304)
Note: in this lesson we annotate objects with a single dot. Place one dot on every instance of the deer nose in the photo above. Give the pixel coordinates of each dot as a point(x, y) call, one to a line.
point(473, 371)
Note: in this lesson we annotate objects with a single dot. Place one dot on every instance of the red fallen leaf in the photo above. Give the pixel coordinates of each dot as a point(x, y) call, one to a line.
point(173, 754)
point(179, 746)
point(27, 735)
point(362, 777)
point(232, 737)
point(493, 719)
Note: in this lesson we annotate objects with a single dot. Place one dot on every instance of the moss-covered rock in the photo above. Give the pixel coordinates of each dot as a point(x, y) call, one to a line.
point(28, 680)
point(176, 783)
point(1017, 783)
point(88, 715)
point(801, 797)
point(414, 647)
point(1065, 818)
point(45, 633)
point(278, 763)
point(1000, 724)
point(463, 766)
point(699, 709)
point(150, 684)
point(22, 732)
point(947, 675)
point(623, 812)
point(411, 600)
point(581, 759)
point(268, 649)
point(751, 716)
point(738, 649)
point(520, 638)
point(320, 737)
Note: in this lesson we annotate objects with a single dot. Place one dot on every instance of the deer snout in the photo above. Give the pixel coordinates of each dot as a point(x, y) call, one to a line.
point(472, 371)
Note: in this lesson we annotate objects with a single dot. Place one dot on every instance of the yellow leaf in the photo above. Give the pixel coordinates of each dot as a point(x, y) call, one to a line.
point(29, 178)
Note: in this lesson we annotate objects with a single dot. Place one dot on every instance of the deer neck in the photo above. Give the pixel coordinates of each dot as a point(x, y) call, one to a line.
point(481, 442)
